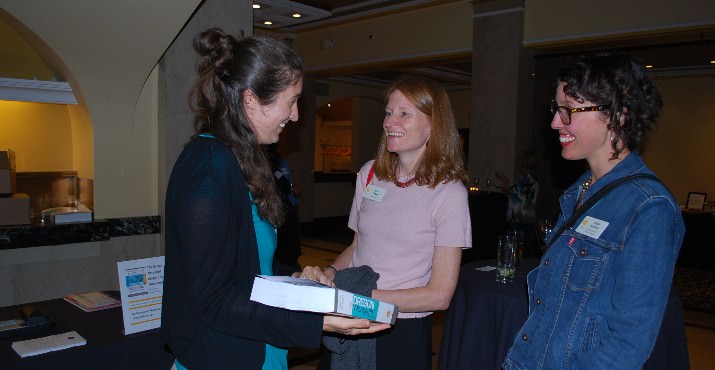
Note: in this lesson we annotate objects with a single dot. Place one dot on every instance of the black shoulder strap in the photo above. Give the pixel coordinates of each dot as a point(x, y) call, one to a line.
point(593, 199)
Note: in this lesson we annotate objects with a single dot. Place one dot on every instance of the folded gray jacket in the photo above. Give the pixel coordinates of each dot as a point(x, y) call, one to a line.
point(349, 353)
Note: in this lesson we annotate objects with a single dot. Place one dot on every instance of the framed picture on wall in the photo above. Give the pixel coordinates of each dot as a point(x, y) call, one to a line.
point(696, 201)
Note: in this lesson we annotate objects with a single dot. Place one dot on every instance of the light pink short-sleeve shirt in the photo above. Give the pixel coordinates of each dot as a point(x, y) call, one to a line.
point(397, 235)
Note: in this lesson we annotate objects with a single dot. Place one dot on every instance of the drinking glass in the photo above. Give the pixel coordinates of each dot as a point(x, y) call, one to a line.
point(543, 230)
point(506, 258)
point(518, 236)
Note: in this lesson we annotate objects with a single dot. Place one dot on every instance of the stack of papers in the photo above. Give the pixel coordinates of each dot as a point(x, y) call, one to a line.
point(307, 295)
point(92, 301)
point(38, 346)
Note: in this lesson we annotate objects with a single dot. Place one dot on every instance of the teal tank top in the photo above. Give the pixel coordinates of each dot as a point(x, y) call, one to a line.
point(276, 358)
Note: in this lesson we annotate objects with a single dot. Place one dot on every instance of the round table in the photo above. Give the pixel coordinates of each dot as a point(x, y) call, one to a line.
point(485, 315)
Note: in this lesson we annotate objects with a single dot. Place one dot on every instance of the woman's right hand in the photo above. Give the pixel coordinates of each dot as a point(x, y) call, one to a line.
point(316, 274)
point(348, 326)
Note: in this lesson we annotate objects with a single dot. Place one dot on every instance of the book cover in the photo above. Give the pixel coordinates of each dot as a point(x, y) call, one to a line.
point(92, 301)
point(307, 295)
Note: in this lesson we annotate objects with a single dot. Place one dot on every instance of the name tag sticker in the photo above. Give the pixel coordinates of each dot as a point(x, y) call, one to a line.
point(592, 227)
point(374, 193)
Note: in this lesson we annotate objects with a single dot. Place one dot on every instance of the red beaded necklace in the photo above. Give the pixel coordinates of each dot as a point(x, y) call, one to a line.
point(405, 184)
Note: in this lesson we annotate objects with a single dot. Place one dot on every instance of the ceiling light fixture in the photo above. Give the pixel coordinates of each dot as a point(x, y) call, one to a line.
point(267, 23)
point(649, 66)
point(256, 6)
point(285, 13)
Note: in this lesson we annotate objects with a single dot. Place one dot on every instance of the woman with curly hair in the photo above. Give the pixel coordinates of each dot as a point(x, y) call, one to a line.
point(596, 300)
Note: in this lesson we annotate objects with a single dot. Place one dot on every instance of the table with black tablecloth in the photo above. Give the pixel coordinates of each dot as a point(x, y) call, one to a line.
point(107, 347)
point(698, 250)
point(485, 315)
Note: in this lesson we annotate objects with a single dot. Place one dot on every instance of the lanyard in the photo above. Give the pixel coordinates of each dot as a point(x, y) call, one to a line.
point(370, 174)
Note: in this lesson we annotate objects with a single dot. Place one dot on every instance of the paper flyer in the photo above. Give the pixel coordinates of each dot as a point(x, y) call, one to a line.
point(141, 284)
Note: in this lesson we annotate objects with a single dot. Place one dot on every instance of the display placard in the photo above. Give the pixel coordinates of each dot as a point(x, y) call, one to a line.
point(141, 284)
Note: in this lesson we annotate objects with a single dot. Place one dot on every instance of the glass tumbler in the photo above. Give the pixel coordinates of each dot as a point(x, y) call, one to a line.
point(506, 259)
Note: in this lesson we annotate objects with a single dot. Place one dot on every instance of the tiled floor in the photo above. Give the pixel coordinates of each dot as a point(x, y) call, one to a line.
point(700, 327)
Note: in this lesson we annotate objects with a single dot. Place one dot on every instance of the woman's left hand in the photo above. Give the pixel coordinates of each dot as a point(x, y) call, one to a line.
point(315, 273)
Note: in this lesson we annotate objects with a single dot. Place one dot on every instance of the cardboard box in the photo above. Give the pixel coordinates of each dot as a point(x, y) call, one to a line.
point(7, 160)
point(307, 295)
point(15, 209)
point(8, 182)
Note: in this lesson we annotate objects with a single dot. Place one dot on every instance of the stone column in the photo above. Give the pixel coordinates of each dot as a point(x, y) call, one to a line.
point(177, 75)
point(501, 90)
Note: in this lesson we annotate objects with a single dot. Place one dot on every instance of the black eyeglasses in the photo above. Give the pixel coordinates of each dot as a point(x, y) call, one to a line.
point(565, 112)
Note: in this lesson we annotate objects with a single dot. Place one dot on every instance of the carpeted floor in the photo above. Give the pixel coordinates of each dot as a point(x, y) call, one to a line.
point(696, 288)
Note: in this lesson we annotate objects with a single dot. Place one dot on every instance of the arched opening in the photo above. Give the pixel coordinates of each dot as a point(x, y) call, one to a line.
point(52, 140)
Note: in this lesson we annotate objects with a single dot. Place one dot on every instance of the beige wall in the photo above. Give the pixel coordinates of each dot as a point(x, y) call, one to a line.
point(558, 21)
point(36, 274)
point(17, 58)
point(419, 34)
point(680, 151)
point(39, 133)
point(82, 141)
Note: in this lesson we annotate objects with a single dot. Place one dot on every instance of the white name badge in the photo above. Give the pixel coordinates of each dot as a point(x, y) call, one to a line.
point(592, 227)
point(374, 193)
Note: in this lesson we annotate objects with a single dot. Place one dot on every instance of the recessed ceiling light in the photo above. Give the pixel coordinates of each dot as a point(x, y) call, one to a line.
point(267, 23)
point(296, 15)
point(649, 66)
point(256, 6)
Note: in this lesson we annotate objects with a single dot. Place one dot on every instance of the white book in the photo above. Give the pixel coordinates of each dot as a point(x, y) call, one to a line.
point(307, 295)
point(38, 346)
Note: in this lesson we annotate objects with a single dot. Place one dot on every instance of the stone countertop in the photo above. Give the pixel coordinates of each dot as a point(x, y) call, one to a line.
point(36, 235)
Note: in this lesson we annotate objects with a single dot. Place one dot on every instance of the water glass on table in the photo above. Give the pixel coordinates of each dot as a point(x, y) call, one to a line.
point(506, 259)
point(518, 236)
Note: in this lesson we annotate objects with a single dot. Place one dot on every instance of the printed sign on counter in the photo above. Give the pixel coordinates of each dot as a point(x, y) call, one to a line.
point(141, 284)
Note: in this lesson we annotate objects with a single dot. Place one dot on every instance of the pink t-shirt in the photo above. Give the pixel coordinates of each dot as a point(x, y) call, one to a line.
point(397, 235)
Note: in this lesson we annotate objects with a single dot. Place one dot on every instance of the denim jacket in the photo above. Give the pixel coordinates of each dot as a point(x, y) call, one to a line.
point(597, 298)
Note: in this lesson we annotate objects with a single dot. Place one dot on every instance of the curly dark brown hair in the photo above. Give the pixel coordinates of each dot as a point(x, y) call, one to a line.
point(618, 81)
point(227, 68)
